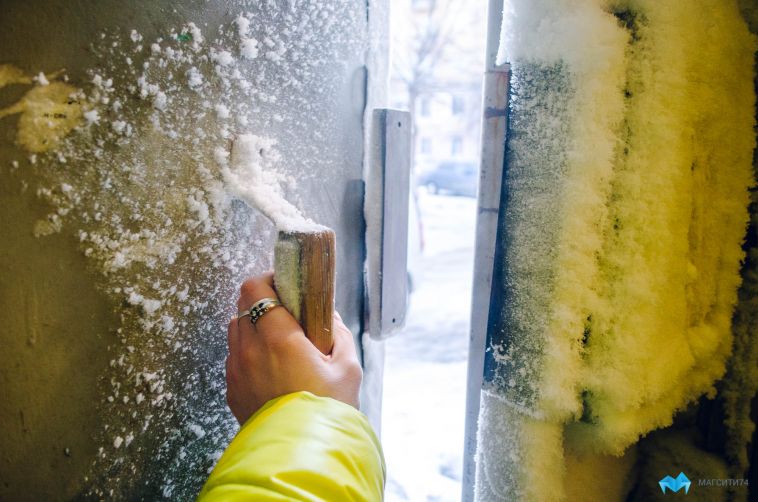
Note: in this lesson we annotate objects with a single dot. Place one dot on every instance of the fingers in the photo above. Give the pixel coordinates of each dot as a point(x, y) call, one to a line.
point(232, 336)
point(277, 322)
point(255, 288)
point(230, 374)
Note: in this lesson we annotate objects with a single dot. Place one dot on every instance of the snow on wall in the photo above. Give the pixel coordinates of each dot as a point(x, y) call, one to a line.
point(628, 166)
point(261, 188)
point(671, 269)
point(139, 170)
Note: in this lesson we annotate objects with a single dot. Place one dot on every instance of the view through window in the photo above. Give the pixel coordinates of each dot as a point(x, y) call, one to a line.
point(437, 66)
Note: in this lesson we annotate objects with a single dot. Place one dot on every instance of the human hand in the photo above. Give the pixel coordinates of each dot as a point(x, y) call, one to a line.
point(273, 357)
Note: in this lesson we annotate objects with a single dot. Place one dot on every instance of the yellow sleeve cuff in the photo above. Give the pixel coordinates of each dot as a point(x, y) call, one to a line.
point(300, 447)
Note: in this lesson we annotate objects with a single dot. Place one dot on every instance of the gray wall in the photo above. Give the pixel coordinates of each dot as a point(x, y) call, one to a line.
point(74, 333)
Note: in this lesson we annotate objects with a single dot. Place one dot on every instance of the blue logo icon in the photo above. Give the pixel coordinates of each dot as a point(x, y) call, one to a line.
point(675, 484)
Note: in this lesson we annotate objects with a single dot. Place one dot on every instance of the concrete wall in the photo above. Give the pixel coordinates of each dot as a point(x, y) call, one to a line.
point(116, 285)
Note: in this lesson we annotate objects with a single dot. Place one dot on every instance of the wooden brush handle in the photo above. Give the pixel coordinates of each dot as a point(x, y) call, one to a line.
point(304, 270)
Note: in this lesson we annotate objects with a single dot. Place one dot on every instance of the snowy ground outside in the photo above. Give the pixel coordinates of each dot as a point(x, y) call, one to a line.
point(425, 372)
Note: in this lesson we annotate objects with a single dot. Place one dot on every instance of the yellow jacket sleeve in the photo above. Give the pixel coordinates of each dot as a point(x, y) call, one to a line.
point(300, 447)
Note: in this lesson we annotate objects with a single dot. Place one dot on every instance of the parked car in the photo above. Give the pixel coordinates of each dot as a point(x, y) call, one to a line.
point(455, 177)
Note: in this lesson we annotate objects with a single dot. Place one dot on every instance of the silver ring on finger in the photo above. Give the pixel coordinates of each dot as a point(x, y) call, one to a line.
point(259, 309)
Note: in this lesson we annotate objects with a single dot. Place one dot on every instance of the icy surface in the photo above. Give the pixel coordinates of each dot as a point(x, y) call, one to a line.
point(625, 198)
point(141, 174)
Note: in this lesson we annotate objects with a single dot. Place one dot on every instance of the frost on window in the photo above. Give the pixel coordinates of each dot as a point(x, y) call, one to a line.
point(146, 238)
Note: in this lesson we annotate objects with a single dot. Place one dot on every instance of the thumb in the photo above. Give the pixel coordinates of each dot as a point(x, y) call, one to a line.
point(344, 344)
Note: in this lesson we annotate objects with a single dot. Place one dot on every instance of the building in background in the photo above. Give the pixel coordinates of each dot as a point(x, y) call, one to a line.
point(436, 74)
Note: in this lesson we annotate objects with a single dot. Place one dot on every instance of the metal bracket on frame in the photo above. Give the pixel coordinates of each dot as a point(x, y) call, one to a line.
point(386, 213)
